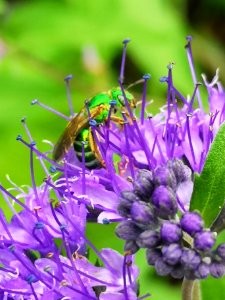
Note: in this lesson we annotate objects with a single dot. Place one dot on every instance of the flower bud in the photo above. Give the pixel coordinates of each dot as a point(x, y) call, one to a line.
point(164, 199)
point(165, 176)
point(148, 239)
point(221, 251)
point(190, 259)
point(172, 254)
point(143, 184)
point(152, 255)
point(127, 230)
point(204, 240)
point(131, 246)
point(177, 272)
point(162, 268)
point(143, 213)
point(217, 269)
point(127, 198)
point(181, 171)
point(191, 222)
point(202, 271)
point(170, 232)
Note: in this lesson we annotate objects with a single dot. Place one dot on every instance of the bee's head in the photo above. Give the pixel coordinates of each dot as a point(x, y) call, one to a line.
point(117, 95)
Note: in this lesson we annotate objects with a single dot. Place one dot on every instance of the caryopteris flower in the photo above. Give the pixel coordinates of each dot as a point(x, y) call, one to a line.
point(148, 189)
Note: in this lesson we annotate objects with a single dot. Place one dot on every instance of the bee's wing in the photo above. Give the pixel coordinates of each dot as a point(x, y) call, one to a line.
point(79, 122)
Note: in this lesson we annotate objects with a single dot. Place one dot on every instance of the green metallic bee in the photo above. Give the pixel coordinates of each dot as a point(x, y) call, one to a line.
point(79, 130)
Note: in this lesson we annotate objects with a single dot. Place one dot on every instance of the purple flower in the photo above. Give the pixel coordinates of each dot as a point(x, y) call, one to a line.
point(164, 200)
point(147, 192)
point(204, 240)
point(191, 222)
point(170, 232)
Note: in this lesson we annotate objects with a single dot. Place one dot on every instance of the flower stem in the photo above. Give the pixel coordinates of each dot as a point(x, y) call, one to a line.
point(197, 291)
point(191, 290)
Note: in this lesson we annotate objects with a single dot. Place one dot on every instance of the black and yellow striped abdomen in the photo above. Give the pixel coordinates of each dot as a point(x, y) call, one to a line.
point(91, 162)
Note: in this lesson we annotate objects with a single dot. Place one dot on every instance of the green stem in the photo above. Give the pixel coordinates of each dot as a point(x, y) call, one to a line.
point(191, 290)
point(197, 291)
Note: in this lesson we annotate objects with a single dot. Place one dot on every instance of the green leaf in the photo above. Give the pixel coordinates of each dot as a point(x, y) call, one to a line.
point(209, 188)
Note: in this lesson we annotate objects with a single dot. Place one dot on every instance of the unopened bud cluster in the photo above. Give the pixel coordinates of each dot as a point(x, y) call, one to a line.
point(177, 247)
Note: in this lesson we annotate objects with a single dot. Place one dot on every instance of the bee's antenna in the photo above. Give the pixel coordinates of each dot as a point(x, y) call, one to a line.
point(135, 83)
point(125, 42)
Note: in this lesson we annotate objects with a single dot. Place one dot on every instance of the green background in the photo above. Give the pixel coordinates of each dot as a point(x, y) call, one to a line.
point(42, 41)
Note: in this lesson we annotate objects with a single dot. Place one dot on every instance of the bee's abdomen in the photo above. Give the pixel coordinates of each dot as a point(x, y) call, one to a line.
point(91, 162)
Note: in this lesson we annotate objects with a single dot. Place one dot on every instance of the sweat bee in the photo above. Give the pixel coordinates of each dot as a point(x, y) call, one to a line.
point(79, 130)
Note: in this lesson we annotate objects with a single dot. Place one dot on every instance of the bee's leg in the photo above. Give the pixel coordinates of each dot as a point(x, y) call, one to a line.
point(117, 120)
point(95, 149)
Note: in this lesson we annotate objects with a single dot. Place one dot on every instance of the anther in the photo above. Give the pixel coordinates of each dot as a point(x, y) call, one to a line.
point(163, 79)
point(49, 255)
point(33, 143)
point(33, 102)
point(52, 169)
point(19, 137)
point(113, 102)
point(189, 115)
point(31, 278)
point(126, 41)
point(146, 76)
point(130, 179)
point(92, 122)
point(39, 225)
point(37, 208)
point(68, 77)
point(105, 221)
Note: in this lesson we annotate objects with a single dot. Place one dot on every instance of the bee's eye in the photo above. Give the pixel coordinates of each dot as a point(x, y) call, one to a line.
point(115, 110)
point(121, 99)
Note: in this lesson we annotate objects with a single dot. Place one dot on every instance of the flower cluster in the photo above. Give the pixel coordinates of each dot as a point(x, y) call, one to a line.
point(43, 253)
point(44, 249)
point(181, 247)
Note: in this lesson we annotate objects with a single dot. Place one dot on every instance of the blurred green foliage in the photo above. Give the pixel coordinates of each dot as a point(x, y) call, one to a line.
point(42, 41)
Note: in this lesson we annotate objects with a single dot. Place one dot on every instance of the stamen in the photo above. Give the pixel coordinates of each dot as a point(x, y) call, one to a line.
point(83, 170)
point(32, 175)
point(90, 276)
point(157, 142)
point(180, 96)
point(125, 42)
point(33, 292)
point(128, 150)
point(112, 105)
point(143, 103)
point(180, 204)
point(174, 141)
point(148, 152)
point(4, 225)
point(189, 138)
point(192, 68)
point(82, 199)
point(61, 226)
point(64, 283)
point(27, 265)
point(23, 121)
point(94, 128)
point(69, 255)
point(190, 104)
point(105, 138)
point(68, 93)
point(15, 213)
point(125, 99)
point(50, 109)
point(202, 158)
point(124, 277)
